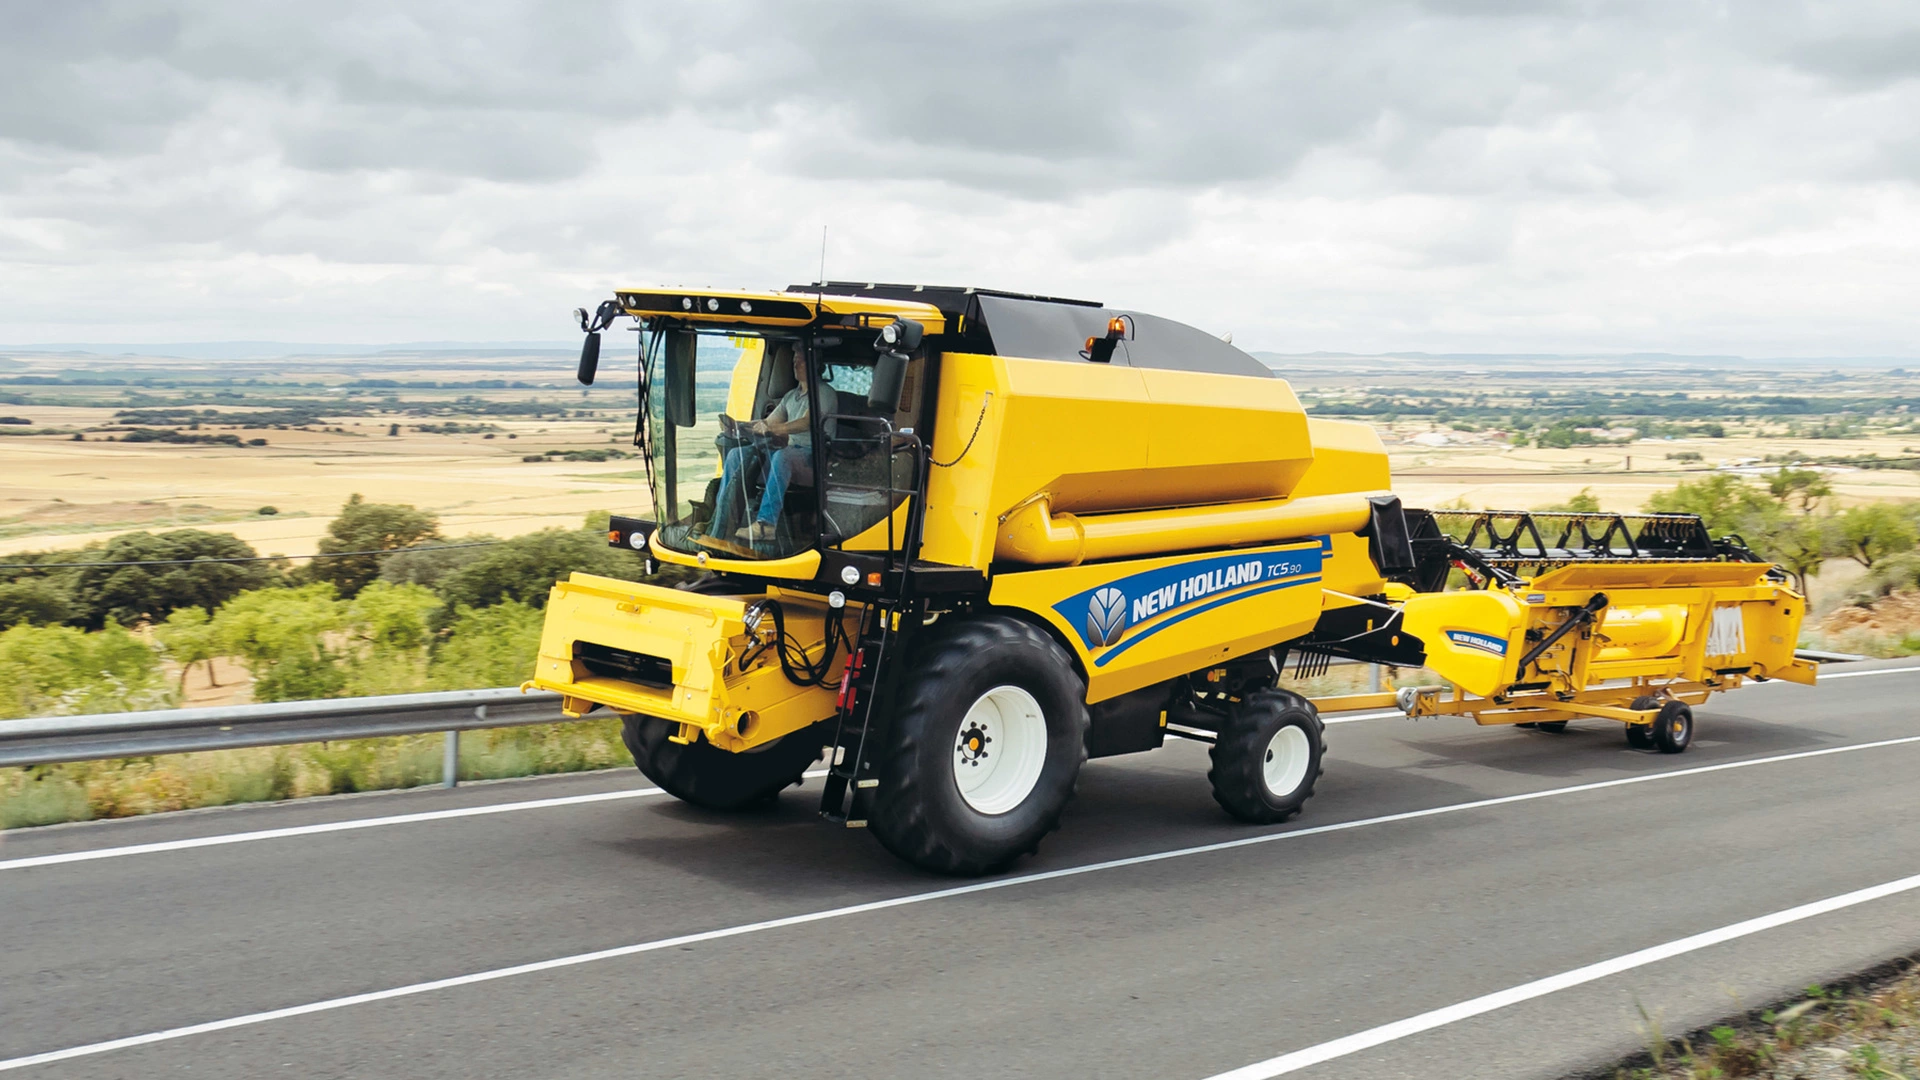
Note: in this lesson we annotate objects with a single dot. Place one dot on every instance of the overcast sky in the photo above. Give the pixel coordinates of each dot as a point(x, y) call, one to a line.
point(1454, 175)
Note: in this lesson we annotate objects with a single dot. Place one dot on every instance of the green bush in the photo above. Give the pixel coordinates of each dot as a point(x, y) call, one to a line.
point(493, 646)
point(62, 670)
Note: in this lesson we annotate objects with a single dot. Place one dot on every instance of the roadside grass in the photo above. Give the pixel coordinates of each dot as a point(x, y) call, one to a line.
point(1867, 1027)
point(127, 787)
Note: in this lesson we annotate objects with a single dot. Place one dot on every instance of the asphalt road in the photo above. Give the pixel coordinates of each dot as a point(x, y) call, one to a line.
point(1439, 863)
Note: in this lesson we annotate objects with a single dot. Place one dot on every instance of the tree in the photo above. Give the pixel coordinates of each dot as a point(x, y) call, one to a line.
point(290, 639)
point(1725, 502)
point(524, 568)
point(1868, 534)
point(188, 573)
point(494, 646)
point(428, 566)
point(387, 635)
point(35, 602)
point(189, 639)
point(1798, 544)
point(365, 526)
point(1798, 489)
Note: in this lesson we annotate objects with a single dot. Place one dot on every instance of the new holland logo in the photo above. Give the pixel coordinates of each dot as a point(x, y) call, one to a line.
point(1486, 643)
point(1106, 616)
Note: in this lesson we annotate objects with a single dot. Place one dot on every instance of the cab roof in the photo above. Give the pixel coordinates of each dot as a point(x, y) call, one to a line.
point(989, 321)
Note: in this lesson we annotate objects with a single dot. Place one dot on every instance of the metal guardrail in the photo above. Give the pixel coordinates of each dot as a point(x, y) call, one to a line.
point(49, 739)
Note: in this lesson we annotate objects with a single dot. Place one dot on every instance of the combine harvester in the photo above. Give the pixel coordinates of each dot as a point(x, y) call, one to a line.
point(964, 540)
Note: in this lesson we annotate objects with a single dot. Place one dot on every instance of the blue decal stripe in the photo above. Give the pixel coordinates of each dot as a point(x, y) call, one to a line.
point(1190, 613)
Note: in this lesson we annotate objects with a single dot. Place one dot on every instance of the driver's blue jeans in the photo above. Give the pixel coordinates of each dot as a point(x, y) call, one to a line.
point(787, 465)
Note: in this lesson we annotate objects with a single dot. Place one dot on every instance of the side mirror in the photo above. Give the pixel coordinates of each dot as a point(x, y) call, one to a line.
point(682, 346)
point(589, 359)
point(889, 375)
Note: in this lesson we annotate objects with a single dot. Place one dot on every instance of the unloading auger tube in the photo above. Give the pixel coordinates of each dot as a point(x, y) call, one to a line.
point(957, 541)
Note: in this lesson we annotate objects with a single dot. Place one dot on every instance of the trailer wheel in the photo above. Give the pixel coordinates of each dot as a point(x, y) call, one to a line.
point(1551, 727)
point(1266, 756)
point(1673, 728)
point(1640, 736)
point(706, 776)
point(984, 749)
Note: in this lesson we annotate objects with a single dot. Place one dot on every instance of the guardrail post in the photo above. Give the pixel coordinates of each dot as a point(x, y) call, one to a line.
point(450, 761)
point(1376, 678)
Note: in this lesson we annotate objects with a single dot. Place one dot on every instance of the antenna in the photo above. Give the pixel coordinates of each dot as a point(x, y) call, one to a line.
point(822, 279)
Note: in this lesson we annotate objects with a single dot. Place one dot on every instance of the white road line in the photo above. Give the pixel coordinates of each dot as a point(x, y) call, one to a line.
point(412, 989)
point(1848, 675)
point(1513, 995)
point(329, 827)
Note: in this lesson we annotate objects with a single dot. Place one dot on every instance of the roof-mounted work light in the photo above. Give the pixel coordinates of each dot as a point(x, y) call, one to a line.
point(894, 342)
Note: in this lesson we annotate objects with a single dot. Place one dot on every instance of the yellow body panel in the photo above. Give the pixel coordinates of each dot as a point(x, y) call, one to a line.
point(1141, 621)
point(1095, 439)
point(703, 637)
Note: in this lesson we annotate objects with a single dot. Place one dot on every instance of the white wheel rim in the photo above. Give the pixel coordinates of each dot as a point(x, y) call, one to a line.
point(1287, 758)
point(1000, 750)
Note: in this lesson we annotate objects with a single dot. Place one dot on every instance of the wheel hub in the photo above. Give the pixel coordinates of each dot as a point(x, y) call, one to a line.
point(1000, 750)
point(973, 745)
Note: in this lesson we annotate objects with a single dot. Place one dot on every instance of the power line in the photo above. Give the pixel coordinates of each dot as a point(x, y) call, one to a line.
point(252, 559)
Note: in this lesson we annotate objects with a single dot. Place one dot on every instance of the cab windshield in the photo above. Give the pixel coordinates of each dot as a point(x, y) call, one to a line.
point(763, 446)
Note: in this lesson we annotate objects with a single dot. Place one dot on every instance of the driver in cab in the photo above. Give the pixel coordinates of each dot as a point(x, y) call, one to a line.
point(790, 464)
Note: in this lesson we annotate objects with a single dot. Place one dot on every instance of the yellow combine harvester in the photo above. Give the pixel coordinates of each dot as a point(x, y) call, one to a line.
point(963, 540)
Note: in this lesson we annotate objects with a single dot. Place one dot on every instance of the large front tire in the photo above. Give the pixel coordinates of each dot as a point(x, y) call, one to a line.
point(984, 750)
point(1266, 756)
point(707, 776)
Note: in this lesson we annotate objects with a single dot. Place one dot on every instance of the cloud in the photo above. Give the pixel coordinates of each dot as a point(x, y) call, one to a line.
point(1458, 174)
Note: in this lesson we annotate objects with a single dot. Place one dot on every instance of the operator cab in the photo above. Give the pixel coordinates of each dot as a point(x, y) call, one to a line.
point(743, 427)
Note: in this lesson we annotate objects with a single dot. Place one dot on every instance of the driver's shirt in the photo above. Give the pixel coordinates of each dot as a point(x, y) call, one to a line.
point(793, 406)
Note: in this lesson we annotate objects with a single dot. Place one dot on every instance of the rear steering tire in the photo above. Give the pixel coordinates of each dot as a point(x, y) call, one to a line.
point(1673, 728)
point(706, 776)
point(1266, 756)
point(984, 749)
point(1671, 731)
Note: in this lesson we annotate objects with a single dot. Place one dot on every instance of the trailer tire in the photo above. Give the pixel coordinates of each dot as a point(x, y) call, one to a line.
point(706, 776)
point(1551, 727)
point(1640, 736)
point(950, 800)
point(1266, 756)
point(1673, 728)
